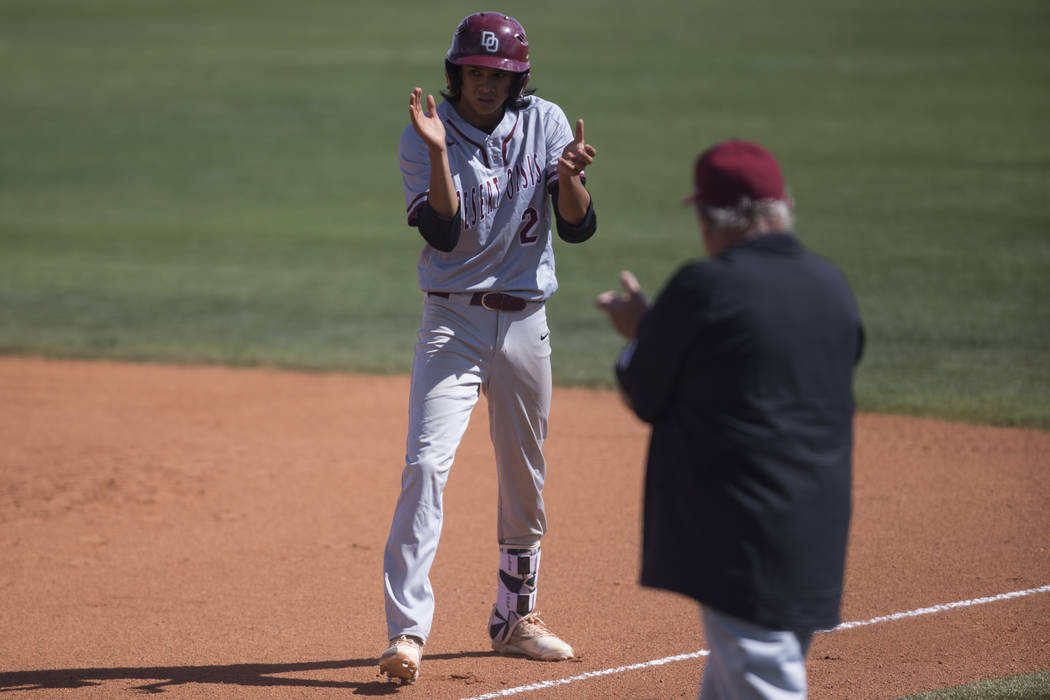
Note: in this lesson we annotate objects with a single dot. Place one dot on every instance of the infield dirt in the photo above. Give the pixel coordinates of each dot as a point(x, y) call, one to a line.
point(218, 533)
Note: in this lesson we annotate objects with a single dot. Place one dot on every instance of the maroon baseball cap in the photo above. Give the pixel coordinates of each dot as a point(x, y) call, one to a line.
point(731, 170)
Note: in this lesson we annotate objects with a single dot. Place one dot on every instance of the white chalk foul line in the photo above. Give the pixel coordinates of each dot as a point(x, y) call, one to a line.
point(542, 685)
point(941, 608)
point(590, 674)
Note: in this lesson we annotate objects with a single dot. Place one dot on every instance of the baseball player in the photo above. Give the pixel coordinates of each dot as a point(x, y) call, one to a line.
point(482, 173)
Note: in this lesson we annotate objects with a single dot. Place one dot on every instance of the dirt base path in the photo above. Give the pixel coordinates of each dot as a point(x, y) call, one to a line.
point(208, 532)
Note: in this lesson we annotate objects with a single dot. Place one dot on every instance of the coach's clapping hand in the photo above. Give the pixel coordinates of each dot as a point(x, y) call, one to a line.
point(625, 310)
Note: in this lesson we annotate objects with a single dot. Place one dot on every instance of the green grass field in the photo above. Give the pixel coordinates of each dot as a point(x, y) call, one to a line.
point(1034, 686)
point(217, 181)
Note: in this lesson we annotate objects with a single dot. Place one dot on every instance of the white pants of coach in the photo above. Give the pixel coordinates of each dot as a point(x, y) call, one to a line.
point(752, 662)
point(462, 350)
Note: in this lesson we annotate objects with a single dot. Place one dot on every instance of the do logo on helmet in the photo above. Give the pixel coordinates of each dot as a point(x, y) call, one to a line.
point(489, 41)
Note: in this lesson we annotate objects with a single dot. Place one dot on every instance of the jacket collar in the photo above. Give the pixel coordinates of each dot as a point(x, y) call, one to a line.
point(783, 241)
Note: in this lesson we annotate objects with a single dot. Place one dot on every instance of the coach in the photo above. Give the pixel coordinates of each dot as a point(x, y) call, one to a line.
point(744, 367)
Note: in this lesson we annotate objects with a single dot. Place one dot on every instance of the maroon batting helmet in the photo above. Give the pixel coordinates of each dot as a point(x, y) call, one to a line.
point(491, 40)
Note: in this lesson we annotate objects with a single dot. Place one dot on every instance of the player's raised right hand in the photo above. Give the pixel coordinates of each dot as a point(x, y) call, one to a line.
point(427, 124)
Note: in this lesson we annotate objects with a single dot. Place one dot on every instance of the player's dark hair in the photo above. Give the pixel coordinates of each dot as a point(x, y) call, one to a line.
point(517, 97)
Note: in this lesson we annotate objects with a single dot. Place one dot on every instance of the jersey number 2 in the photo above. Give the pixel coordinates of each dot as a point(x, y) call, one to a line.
point(528, 222)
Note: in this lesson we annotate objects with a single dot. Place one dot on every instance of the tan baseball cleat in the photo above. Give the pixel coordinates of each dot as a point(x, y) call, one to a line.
point(401, 661)
point(531, 637)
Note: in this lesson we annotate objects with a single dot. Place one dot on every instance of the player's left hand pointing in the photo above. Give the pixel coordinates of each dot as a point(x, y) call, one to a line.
point(577, 155)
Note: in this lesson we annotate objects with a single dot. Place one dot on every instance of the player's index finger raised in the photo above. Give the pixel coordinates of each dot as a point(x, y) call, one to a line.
point(579, 130)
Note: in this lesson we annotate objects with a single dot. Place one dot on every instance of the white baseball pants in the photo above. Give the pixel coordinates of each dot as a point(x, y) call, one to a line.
point(461, 351)
point(749, 662)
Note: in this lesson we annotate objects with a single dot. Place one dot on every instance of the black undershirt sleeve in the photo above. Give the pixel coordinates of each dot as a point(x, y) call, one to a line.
point(577, 233)
point(436, 230)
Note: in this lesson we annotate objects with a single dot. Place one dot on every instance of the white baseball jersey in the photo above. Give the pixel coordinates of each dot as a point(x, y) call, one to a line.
point(502, 180)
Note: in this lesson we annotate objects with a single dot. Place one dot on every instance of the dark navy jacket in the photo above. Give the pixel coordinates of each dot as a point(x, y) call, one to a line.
point(744, 367)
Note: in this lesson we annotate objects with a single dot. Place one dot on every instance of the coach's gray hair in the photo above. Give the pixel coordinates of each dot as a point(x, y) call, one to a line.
point(743, 216)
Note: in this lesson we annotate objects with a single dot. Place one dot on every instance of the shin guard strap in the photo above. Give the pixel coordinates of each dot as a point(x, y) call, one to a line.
point(516, 593)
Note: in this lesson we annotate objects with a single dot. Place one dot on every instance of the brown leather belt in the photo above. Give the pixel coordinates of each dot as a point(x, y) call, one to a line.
point(493, 301)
